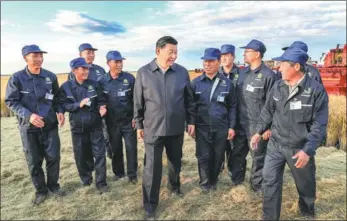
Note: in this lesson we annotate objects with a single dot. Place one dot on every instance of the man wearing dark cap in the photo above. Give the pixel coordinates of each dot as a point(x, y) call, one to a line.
point(84, 100)
point(252, 89)
point(87, 51)
point(163, 102)
point(309, 69)
point(231, 71)
point(215, 121)
point(297, 111)
point(118, 87)
point(32, 95)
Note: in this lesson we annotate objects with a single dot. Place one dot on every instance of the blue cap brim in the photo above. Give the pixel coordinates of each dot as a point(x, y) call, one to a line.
point(93, 49)
point(84, 66)
point(285, 48)
point(243, 47)
point(279, 59)
point(116, 59)
point(38, 51)
point(209, 58)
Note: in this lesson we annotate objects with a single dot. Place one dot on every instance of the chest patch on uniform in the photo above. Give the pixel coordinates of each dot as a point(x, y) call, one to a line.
point(223, 84)
point(260, 75)
point(90, 88)
point(236, 76)
point(48, 80)
point(309, 74)
point(125, 82)
point(97, 71)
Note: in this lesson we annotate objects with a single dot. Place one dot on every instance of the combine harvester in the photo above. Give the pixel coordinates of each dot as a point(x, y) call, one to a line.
point(334, 70)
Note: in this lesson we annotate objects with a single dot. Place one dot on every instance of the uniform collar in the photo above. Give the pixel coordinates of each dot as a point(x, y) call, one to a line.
point(76, 84)
point(232, 71)
point(301, 83)
point(203, 76)
point(255, 71)
point(154, 66)
point(109, 78)
point(42, 74)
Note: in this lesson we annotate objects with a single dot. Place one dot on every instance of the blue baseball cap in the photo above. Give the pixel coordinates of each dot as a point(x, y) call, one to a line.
point(225, 49)
point(114, 55)
point(211, 54)
point(256, 46)
point(79, 62)
point(86, 46)
point(295, 55)
point(298, 44)
point(27, 49)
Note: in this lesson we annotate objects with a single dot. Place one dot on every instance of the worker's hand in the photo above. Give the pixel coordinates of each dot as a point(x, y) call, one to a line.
point(140, 134)
point(191, 130)
point(302, 157)
point(37, 121)
point(61, 119)
point(266, 135)
point(102, 110)
point(254, 141)
point(84, 102)
point(231, 134)
point(133, 124)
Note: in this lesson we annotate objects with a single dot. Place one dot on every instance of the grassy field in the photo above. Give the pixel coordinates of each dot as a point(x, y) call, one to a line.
point(124, 201)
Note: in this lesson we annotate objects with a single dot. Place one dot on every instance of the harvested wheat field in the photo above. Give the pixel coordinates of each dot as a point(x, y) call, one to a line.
point(124, 201)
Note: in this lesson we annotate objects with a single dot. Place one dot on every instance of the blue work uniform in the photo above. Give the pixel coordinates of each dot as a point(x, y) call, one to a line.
point(216, 112)
point(252, 89)
point(298, 122)
point(86, 128)
point(28, 94)
point(119, 102)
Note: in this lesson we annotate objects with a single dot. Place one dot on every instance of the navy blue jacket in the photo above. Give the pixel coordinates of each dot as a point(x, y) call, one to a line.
point(252, 89)
point(233, 75)
point(119, 95)
point(95, 73)
point(87, 118)
point(26, 94)
point(300, 126)
point(218, 113)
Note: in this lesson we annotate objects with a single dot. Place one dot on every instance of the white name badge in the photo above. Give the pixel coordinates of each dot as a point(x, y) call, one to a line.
point(250, 88)
point(220, 98)
point(49, 96)
point(121, 93)
point(295, 105)
point(89, 103)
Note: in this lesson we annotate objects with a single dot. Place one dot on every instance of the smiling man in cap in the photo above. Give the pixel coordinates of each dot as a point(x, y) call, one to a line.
point(118, 87)
point(309, 69)
point(84, 100)
point(215, 121)
point(32, 95)
point(87, 51)
point(297, 111)
point(252, 89)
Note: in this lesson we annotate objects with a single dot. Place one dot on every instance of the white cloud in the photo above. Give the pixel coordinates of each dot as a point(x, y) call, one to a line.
point(196, 25)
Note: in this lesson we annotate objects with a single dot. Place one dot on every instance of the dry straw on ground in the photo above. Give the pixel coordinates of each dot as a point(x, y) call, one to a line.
point(124, 201)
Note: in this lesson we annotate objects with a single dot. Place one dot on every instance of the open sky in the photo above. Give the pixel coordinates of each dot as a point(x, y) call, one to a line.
point(134, 27)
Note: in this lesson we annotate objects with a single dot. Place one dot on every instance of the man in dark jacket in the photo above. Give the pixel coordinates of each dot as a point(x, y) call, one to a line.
point(229, 69)
point(252, 89)
point(83, 99)
point(163, 102)
point(32, 95)
point(118, 87)
point(297, 110)
point(215, 121)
